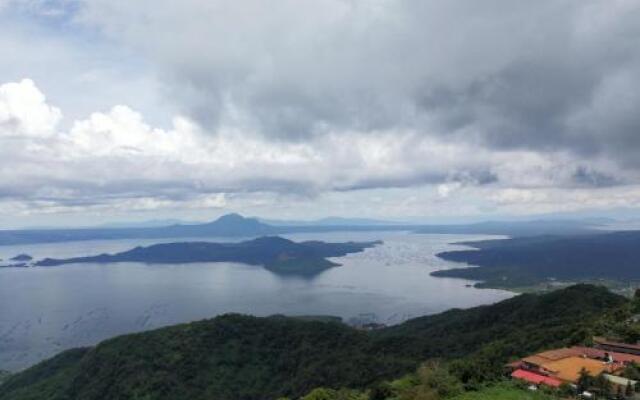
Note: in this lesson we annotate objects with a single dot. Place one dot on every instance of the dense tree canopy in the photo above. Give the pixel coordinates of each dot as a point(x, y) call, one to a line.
point(242, 357)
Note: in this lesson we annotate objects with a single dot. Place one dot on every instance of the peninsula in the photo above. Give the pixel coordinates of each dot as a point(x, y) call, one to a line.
point(610, 257)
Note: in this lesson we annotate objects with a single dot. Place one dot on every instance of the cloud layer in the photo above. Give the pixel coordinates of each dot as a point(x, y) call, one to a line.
point(509, 75)
point(116, 159)
point(412, 108)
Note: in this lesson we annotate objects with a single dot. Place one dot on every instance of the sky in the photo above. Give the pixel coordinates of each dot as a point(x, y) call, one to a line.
point(453, 110)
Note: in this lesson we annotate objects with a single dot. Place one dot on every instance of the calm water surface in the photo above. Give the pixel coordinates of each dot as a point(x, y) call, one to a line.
point(46, 310)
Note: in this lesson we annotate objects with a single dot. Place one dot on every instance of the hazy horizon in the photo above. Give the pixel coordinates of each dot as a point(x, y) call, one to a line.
point(629, 217)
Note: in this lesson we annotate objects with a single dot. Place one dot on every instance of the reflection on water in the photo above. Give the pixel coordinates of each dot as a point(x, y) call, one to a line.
point(45, 310)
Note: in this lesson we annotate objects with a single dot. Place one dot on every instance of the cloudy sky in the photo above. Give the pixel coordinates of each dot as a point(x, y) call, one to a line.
point(119, 109)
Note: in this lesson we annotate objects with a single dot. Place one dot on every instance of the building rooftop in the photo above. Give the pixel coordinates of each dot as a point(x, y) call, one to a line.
point(568, 369)
point(536, 379)
point(536, 360)
point(599, 353)
point(605, 342)
point(565, 364)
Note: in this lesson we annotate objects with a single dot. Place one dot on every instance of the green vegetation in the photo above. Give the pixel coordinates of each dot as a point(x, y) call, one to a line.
point(632, 371)
point(540, 260)
point(318, 318)
point(331, 394)
point(433, 381)
point(480, 340)
point(275, 253)
point(4, 375)
point(241, 357)
point(505, 391)
point(229, 357)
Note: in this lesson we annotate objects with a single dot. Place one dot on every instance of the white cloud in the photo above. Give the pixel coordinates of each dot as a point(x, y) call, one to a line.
point(115, 161)
point(446, 189)
point(519, 196)
point(24, 112)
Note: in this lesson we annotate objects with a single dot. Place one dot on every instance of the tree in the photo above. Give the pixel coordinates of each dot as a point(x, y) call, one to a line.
point(619, 394)
point(585, 380)
point(603, 385)
point(330, 394)
point(321, 394)
point(432, 375)
point(632, 371)
point(381, 391)
point(628, 391)
point(565, 390)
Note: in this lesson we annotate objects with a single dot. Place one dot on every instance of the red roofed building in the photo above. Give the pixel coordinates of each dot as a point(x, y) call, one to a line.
point(617, 346)
point(536, 379)
point(601, 354)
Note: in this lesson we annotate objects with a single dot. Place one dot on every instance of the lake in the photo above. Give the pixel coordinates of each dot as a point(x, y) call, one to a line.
point(46, 310)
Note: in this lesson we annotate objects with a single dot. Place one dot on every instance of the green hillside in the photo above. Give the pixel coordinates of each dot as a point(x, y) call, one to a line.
point(241, 357)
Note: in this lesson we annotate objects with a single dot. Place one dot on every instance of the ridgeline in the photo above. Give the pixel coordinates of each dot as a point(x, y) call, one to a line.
point(243, 357)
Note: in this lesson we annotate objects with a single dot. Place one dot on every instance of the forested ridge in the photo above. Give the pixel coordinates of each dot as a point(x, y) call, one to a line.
point(243, 357)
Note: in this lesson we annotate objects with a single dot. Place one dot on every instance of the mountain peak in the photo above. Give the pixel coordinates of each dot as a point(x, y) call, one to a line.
point(232, 217)
point(236, 224)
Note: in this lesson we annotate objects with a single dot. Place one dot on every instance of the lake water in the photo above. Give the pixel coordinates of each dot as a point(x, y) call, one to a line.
point(46, 310)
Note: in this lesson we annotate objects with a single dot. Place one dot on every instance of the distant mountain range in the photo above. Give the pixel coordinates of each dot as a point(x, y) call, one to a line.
point(330, 221)
point(153, 223)
point(235, 225)
point(231, 225)
point(275, 253)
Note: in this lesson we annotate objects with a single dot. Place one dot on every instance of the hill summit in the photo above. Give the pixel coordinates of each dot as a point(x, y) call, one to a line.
point(227, 225)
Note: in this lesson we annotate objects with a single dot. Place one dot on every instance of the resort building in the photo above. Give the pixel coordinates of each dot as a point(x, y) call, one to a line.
point(565, 365)
point(604, 344)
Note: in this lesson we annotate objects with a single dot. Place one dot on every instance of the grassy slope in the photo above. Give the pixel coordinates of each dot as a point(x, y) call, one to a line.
point(239, 357)
point(504, 392)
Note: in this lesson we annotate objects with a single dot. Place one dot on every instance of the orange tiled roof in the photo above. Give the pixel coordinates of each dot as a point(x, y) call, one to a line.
point(568, 369)
point(536, 360)
point(552, 355)
point(559, 354)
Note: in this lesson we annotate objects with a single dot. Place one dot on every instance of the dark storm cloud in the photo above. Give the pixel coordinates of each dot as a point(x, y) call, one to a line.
point(584, 176)
point(508, 75)
point(464, 178)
